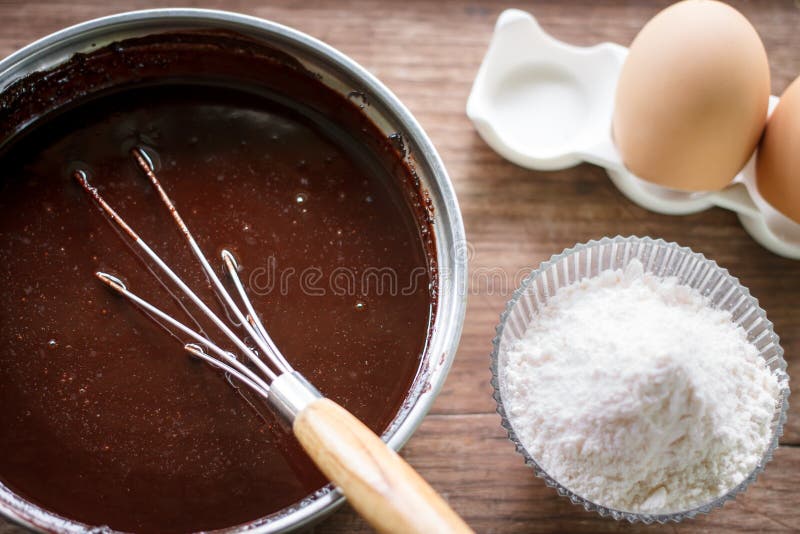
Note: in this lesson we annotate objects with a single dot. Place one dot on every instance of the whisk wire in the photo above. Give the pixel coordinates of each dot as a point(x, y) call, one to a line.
point(252, 317)
point(116, 219)
point(197, 351)
point(232, 364)
point(269, 349)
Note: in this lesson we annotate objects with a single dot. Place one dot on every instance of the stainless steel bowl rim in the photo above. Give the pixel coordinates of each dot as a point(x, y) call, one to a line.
point(605, 511)
point(448, 226)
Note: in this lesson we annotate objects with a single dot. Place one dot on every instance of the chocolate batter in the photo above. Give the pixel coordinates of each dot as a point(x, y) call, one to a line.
point(103, 417)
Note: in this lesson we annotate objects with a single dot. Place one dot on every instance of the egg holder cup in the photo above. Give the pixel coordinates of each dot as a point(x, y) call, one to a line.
point(547, 105)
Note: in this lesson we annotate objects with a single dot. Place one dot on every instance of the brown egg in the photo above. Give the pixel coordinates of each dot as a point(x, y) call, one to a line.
point(778, 163)
point(692, 97)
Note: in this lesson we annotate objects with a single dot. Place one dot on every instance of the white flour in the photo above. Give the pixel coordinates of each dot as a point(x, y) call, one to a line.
point(632, 392)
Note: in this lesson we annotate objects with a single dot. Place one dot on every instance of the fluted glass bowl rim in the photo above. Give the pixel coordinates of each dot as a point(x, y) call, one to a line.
point(605, 511)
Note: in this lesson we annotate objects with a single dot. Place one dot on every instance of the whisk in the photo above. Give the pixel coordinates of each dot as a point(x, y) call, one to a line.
point(379, 484)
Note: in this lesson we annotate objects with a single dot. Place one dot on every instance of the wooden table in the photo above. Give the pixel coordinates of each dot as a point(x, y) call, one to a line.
point(428, 54)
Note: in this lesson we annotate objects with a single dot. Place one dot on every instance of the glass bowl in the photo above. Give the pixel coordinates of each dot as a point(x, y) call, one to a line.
point(664, 260)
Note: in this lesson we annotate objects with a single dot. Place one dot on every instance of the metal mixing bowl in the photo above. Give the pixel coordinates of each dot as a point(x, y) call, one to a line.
point(347, 78)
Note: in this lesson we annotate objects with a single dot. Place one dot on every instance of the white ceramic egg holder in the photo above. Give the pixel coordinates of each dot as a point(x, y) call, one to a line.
point(547, 105)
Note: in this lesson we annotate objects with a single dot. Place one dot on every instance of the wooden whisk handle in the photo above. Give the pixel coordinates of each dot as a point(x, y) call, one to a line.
point(377, 482)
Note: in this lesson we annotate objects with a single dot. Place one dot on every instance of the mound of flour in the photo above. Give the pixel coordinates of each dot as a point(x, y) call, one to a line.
point(635, 394)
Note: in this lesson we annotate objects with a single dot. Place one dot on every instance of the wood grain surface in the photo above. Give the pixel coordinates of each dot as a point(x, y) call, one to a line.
point(428, 53)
